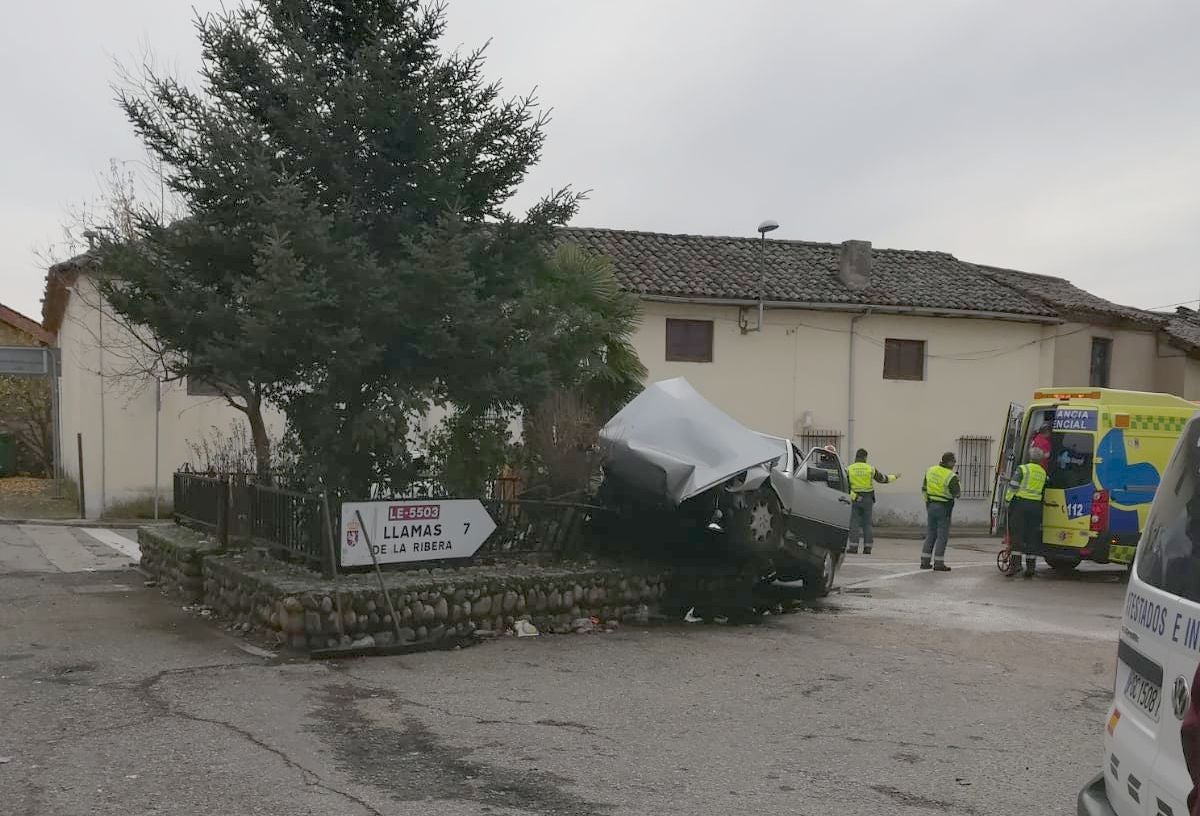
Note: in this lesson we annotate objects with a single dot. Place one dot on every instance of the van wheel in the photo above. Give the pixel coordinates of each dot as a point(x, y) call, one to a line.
point(1063, 564)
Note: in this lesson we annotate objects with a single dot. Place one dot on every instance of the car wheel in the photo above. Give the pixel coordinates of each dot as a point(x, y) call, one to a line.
point(1063, 564)
point(829, 565)
point(819, 583)
point(758, 526)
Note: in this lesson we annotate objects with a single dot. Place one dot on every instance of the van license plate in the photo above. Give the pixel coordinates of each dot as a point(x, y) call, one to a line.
point(1147, 695)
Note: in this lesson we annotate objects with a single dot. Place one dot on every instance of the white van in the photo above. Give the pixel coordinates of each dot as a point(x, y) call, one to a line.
point(1144, 770)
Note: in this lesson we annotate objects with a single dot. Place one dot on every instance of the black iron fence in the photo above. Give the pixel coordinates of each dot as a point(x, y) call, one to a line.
point(291, 524)
point(547, 529)
point(238, 510)
point(201, 500)
point(298, 526)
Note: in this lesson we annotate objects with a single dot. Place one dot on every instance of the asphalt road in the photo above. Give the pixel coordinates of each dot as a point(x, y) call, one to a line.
point(906, 693)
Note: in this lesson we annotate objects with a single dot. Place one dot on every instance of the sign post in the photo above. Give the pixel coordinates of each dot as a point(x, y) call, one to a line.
point(406, 531)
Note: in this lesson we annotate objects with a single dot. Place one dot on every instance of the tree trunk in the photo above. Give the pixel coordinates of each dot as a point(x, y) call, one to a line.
point(262, 442)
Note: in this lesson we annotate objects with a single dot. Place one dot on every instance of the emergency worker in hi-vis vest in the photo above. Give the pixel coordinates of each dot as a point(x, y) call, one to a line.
point(863, 477)
point(940, 489)
point(1024, 497)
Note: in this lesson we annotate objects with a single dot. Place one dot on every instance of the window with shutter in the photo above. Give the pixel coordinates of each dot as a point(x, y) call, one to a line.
point(689, 341)
point(904, 359)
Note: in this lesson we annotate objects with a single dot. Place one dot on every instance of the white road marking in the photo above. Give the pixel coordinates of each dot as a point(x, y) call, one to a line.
point(117, 541)
point(67, 552)
point(918, 572)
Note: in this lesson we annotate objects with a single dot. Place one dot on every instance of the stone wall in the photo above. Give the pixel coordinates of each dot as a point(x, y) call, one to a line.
point(174, 556)
point(426, 607)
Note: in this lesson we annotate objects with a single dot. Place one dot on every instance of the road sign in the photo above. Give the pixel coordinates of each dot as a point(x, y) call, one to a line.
point(422, 530)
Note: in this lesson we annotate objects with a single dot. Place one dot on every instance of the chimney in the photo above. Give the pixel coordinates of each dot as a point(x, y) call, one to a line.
point(854, 265)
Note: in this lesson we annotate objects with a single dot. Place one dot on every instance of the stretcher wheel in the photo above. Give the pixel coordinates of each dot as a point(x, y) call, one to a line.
point(1002, 560)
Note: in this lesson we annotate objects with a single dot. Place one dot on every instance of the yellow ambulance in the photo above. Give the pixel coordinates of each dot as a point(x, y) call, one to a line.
point(1108, 449)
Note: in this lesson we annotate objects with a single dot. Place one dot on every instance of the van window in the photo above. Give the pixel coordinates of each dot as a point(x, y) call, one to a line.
point(1169, 557)
point(1071, 460)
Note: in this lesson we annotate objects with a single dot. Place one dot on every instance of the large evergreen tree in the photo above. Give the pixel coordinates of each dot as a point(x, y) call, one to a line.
point(346, 252)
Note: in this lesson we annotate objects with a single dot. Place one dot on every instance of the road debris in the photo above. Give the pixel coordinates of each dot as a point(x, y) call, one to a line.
point(198, 609)
point(524, 628)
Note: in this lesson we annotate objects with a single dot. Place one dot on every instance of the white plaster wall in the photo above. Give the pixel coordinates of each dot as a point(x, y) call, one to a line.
point(1133, 357)
point(799, 363)
point(1191, 380)
point(117, 421)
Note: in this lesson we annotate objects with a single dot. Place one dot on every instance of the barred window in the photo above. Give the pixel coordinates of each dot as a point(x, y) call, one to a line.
point(975, 466)
point(819, 439)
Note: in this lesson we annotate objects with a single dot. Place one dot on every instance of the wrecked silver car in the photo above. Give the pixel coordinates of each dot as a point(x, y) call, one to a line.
point(671, 451)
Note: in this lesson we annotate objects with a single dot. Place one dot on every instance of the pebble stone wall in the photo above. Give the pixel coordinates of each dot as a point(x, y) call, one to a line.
point(299, 609)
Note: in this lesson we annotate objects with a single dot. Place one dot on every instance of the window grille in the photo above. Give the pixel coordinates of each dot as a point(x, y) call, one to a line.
point(819, 439)
point(975, 466)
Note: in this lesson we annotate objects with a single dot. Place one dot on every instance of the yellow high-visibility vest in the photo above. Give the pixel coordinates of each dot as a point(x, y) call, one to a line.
point(862, 477)
point(937, 484)
point(1033, 482)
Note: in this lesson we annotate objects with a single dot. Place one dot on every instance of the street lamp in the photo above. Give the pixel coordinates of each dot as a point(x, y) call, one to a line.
point(769, 225)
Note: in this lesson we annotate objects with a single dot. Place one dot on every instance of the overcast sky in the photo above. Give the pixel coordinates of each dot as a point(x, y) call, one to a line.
point(1054, 137)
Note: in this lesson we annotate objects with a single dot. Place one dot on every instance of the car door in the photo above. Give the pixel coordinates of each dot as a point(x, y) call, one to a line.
point(1006, 464)
point(820, 500)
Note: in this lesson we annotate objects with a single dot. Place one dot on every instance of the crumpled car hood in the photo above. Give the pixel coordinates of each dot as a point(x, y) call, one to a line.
point(674, 444)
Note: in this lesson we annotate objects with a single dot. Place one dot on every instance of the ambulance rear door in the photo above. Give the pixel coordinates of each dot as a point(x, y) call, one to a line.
point(1006, 464)
point(1070, 489)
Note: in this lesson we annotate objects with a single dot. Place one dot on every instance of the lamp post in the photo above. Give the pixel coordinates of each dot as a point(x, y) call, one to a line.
point(769, 225)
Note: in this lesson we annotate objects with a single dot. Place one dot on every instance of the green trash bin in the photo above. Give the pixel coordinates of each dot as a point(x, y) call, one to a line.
point(8, 455)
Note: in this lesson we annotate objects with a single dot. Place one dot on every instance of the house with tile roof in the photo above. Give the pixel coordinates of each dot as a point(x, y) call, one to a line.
point(29, 428)
point(1178, 362)
point(18, 330)
point(1106, 344)
point(906, 353)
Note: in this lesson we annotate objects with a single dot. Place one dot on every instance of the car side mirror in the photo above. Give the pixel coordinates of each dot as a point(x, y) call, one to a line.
point(817, 475)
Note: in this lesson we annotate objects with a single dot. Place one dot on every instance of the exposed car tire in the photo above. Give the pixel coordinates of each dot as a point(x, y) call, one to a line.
point(819, 583)
point(758, 523)
point(1063, 564)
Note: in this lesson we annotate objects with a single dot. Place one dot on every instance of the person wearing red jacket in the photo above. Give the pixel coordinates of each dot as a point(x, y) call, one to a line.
point(1042, 441)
